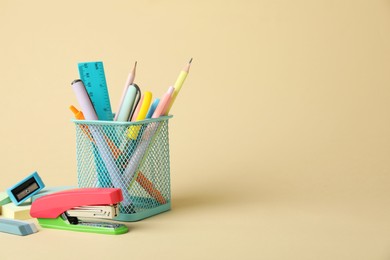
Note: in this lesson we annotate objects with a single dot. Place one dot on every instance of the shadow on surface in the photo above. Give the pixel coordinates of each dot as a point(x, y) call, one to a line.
point(214, 193)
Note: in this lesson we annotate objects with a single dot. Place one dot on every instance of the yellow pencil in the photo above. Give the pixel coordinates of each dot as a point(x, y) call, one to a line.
point(179, 83)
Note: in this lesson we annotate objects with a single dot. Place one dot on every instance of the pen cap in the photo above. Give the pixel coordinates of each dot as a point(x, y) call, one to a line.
point(128, 103)
point(163, 103)
point(170, 96)
point(84, 100)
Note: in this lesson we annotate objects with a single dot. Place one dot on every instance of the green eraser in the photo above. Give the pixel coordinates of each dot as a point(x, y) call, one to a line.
point(4, 199)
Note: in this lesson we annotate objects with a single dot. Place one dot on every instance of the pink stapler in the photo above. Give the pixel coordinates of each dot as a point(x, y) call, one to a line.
point(66, 209)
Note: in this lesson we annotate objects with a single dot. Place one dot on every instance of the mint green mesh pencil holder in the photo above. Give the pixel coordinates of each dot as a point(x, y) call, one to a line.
point(132, 156)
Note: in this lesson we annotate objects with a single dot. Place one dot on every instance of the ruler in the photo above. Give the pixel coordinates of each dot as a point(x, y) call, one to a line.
point(94, 79)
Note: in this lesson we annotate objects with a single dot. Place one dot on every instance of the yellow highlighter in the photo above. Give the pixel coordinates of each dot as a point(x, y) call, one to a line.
point(134, 130)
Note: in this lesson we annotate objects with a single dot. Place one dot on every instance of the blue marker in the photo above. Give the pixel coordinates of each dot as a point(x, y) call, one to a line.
point(25, 189)
point(152, 108)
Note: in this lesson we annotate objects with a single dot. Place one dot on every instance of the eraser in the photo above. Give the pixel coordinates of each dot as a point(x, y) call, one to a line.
point(17, 227)
point(4, 198)
point(20, 212)
point(26, 188)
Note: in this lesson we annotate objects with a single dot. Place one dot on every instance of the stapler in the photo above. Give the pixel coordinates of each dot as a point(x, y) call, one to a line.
point(74, 210)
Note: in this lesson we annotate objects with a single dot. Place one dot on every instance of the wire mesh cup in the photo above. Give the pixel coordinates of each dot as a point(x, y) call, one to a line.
point(132, 156)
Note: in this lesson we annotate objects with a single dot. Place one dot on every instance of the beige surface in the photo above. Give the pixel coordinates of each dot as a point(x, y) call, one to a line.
point(291, 161)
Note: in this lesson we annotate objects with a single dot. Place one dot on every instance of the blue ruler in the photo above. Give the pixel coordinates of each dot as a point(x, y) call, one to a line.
point(94, 79)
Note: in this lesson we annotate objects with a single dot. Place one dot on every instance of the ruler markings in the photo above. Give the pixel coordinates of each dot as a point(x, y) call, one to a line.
point(92, 74)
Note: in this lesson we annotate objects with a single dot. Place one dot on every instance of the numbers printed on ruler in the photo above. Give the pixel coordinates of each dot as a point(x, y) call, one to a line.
point(92, 74)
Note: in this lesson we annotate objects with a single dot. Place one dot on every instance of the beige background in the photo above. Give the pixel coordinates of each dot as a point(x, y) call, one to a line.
point(280, 138)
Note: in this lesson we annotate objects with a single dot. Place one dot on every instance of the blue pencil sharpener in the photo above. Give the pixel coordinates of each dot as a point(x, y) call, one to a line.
point(26, 188)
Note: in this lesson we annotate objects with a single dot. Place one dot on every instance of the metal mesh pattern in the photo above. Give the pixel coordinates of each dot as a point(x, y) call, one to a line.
point(131, 156)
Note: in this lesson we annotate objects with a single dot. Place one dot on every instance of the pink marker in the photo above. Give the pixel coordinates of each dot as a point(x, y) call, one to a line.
point(164, 103)
point(166, 108)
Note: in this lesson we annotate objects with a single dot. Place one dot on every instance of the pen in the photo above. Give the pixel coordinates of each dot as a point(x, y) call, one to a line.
point(128, 103)
point(179, 83)
point(170, 92)
point(129, 81)
point(162, 106)
point(84, 100)
point(164, 103)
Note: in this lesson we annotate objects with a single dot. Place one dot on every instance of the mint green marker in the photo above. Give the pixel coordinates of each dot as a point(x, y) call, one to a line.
point(128, 103)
